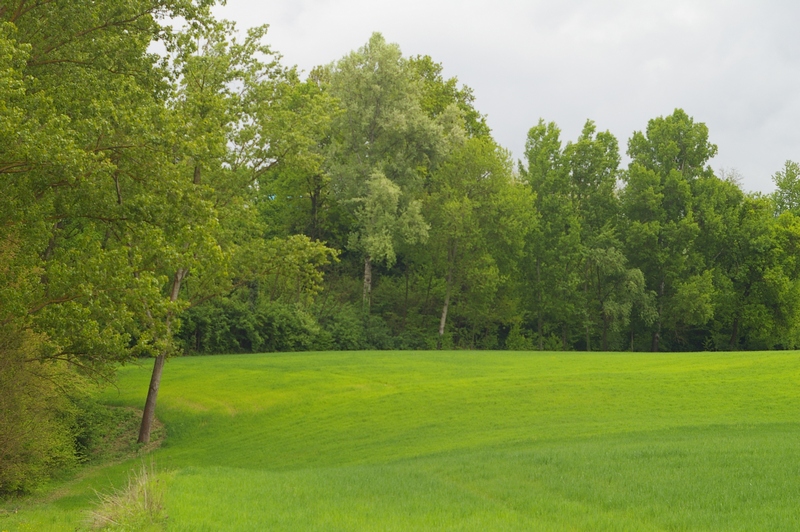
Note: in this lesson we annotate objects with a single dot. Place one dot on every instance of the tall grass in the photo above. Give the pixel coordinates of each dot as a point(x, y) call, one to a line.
point(138, 506)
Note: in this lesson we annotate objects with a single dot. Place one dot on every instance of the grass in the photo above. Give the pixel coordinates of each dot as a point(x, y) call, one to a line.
point(138, 507)
point(466, 441)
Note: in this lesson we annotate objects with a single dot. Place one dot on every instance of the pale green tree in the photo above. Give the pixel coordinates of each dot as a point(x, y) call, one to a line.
point(382, 130)
point(383, 224)
point(787, 188)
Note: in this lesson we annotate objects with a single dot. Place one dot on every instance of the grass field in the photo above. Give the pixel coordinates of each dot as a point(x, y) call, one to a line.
point(463, 441)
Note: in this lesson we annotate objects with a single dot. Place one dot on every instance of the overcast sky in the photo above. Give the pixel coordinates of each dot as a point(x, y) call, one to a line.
point(734, 65)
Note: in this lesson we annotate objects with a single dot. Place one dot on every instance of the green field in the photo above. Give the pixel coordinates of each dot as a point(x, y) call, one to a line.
point(463, 441)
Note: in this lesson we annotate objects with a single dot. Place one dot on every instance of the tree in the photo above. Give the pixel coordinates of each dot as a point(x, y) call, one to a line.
point(382, 226)
point(592, 164)
point(579, 273)
point(296, 195)
point(480, 218)
point(555, 245)
point(666, 162)
point(382, 136)
point(233, 109)
point(787, 194)
point(439, 95)
point(81, 118)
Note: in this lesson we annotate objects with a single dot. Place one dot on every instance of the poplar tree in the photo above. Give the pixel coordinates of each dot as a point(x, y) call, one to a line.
point(383, 146)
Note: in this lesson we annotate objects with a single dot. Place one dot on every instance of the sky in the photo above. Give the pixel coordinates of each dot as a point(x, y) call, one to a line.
point(734, 65)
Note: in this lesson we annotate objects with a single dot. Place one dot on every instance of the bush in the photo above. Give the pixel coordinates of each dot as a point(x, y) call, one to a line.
point(49, 420)
point(415, 339)
point(378, 334)
point(346, 328)
point(350, 329)
point(36, 419)
point(284, 327)
point(517, 340)
point(231, 325)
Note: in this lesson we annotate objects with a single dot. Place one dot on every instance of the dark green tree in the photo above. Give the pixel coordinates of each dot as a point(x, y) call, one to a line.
point(661, 226)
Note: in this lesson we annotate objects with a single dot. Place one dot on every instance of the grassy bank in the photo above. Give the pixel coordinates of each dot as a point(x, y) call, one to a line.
point(467, 441)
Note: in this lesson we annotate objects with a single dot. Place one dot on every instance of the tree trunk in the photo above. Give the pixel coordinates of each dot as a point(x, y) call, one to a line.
point(734, 341)
point(367, 295)
point(539, 302)
point(315, 197)
point(586, 302)
point(158, 368)
point(428, 290)
point(657, 332)
point(605, 332)
point(150, 403)
point(443, 321)
point(405, 303)
point(632, 336)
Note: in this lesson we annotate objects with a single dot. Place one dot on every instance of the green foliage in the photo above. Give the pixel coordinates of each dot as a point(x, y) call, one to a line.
point(667, 163)
point(787, 194)
point(231, 325)
point(577, 276)
point(35, 418)
point(439, 94)
point(383, 227)
point(50, 419)
point(345, 328)
point(471, 195)
point(517, 340)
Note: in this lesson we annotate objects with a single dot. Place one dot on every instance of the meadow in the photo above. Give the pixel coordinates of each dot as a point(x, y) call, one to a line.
point(461, 440)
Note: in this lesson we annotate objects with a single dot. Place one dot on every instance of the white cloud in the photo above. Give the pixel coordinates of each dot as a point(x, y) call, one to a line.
point(731, 64)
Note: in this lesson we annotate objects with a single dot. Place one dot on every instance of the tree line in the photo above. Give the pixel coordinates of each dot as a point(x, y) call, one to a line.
point(443, 240)
point(174, 188)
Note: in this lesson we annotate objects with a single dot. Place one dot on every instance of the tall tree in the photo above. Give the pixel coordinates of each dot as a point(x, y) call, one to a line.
point(555, 266)
point(232, 110)
point(81, 162)
point(661, 229)
point(592, 163)
point(438, 95)
point(381, 133)
point(580, 276)
point(480, 219)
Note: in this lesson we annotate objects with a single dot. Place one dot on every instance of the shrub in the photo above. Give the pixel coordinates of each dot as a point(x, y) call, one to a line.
point(233, 325)
point(346, 328)
point(517, 340)
point(35, 417)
